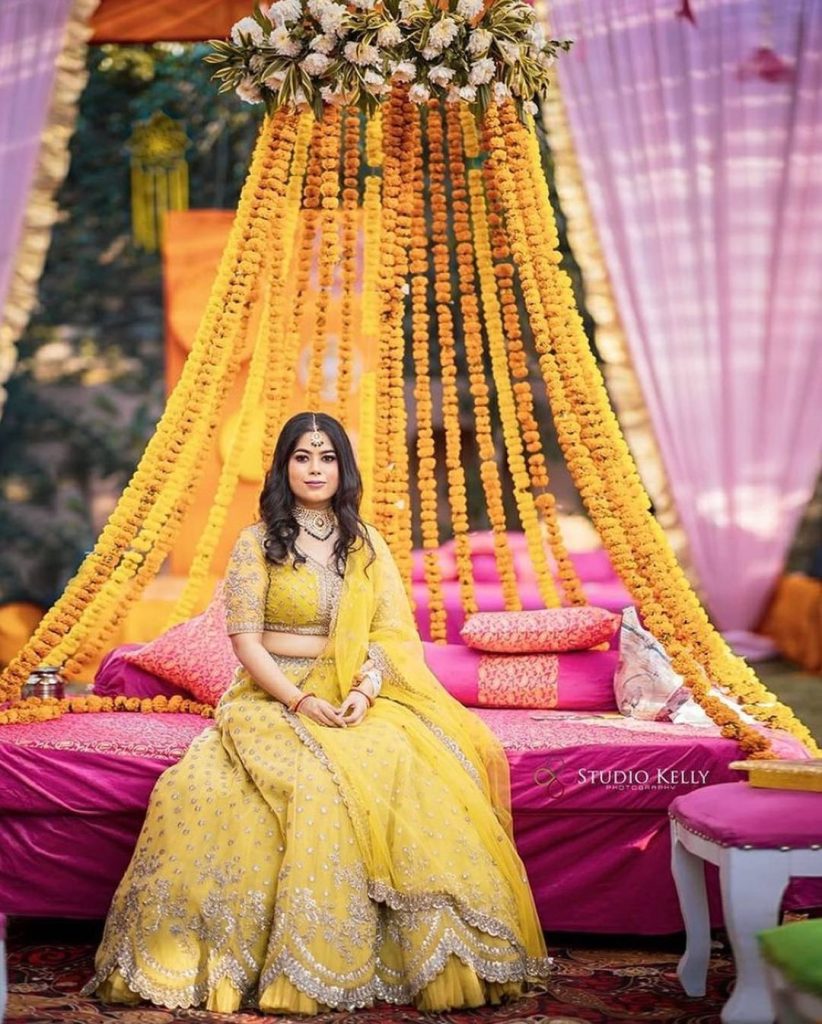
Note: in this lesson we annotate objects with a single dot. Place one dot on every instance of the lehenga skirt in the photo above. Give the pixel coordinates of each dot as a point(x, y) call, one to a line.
point(247, 885)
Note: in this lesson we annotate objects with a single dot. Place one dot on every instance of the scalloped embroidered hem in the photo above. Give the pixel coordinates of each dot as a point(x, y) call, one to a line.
point(121, 984)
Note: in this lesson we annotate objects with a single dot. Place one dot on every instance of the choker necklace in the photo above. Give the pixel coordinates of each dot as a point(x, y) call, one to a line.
point(317, 523)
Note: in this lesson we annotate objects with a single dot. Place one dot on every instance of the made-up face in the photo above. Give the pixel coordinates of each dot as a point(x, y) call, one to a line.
point(313, 473)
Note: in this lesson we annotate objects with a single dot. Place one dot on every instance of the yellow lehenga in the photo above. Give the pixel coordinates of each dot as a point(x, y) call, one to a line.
point(294, 867)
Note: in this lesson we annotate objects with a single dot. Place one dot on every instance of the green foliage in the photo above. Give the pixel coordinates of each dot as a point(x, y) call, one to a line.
point(89, 385)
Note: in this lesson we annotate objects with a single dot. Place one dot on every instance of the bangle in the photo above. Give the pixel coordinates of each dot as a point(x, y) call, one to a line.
point(367, 696)
point(374, 678)
point(296, 707)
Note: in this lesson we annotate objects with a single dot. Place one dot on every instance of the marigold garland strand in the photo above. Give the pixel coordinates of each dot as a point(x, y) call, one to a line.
point(219, 328)
point(478, 386)
point(329, 250)
point(443, 296)
point(157, 534)
point(591, 441)
point(524, 229)
point(698, 651)
point(492, 316)
point(372, 217)
point(420, 342)
point(505, 273)
point(351, 199)
point(280, 364)
point(37, 709)
point(392, 510)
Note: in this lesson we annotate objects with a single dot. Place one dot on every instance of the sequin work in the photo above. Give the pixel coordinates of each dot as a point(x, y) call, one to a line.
point(293, 868)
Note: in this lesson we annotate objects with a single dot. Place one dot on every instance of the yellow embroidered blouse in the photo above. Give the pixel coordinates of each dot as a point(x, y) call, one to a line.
point(261, 595)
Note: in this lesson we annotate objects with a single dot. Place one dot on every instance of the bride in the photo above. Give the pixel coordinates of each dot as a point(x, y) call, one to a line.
point(342, 834)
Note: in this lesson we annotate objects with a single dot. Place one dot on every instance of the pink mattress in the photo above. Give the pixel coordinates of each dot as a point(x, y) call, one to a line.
point(73, 794)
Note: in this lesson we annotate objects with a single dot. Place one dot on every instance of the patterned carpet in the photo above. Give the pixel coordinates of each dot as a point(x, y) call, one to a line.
point(596, 980)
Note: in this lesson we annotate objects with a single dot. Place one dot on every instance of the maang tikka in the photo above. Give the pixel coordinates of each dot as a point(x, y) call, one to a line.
point(316, 439)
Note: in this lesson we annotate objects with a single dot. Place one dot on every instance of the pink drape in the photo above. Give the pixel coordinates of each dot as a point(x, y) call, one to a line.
point(31, 37)
point(700, 145)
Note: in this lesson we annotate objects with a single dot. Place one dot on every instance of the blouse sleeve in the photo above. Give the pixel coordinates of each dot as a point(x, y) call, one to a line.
point(246, 585)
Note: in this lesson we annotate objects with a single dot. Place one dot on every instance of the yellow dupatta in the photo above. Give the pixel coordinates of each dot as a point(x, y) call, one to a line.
point(374, 619)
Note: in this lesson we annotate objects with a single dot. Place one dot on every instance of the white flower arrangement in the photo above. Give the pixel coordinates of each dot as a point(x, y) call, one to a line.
point(312, 53)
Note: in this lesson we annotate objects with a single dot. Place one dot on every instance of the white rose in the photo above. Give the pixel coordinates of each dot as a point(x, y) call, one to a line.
point(479, 41)
point(501, 92)
point(403, 71)
point(333, 96)
point(249, 28)
point(331, 16)
point(284, 44)
point(323, 44)
point(468, 92)
point(482, 72)
point(374, 83)
point(390, 34)
point(419, 93)
point(431, 52)
point(248, 90)
point(536, 36)
point(440, 74)
point(546, 60)
point(442, 33)
point(361, 53)
point(284, 12)
point(364, 5)
point(510, 51)
point(315, 64)
point(530, 108)
point(409, 7)
point(469, 9)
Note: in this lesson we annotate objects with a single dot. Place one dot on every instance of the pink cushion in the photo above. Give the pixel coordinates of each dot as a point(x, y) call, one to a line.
point(196, 655)
point(550, 630)
point(736, 814)
point(584, 680)
point(119, 677)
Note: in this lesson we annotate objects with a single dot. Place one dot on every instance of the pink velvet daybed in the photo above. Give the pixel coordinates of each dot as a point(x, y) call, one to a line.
point(73, 794)
point(590, 789)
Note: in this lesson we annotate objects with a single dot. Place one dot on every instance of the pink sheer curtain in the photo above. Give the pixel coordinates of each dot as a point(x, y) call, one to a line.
point(700, 143)
point(31, 37)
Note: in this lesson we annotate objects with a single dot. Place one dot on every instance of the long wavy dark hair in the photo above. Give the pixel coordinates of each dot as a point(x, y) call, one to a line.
point(277, 498)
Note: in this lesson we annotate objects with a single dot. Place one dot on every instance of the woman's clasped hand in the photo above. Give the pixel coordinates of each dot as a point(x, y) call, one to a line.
point(351, 712)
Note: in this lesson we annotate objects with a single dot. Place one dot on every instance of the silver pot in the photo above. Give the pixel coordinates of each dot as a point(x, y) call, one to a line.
point(45, 681)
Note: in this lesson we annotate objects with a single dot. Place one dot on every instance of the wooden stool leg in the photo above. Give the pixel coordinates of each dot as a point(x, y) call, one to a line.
point(689, 878)
point(752, 883)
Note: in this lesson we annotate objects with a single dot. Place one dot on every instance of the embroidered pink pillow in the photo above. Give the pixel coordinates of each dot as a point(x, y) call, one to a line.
point(196, 655)
point(584, 679)
point(518, 680)
point(548, 630)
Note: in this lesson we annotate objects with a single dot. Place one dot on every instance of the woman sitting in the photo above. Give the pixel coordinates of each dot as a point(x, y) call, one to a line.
point(342, 834)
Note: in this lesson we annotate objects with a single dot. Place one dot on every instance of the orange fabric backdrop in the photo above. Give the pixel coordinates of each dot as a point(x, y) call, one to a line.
point(127, 21)
point(192, 244)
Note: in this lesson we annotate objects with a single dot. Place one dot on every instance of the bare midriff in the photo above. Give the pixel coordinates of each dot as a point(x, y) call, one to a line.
point(294, 645)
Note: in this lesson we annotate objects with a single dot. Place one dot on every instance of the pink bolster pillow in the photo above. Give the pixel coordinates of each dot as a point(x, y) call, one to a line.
point(118, 676)
point(574, 681)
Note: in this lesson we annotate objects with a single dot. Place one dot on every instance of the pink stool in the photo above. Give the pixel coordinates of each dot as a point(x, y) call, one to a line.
point(760, 839)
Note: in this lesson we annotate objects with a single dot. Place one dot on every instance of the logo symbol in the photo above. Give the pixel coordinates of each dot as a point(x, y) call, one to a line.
point(547, 778)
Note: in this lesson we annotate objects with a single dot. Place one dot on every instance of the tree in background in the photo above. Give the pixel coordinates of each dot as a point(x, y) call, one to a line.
point(89, 388)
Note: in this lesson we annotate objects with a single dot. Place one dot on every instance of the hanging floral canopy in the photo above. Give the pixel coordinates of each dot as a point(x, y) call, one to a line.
point(409, 123)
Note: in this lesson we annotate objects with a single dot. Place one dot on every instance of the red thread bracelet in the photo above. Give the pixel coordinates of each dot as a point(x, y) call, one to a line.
point(367, 696)
point(304, 697)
